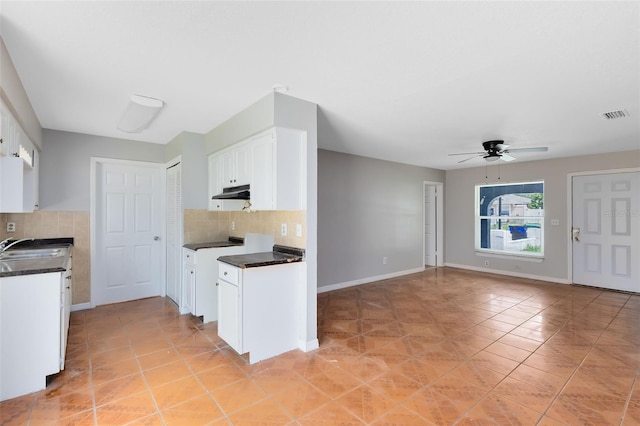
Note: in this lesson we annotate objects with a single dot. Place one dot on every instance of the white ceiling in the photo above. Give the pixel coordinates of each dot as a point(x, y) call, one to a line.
point(407, 82)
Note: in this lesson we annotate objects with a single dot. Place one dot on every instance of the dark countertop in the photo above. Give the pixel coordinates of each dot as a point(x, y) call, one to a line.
point(278, 256)
point(232, 241)
point(12, 268)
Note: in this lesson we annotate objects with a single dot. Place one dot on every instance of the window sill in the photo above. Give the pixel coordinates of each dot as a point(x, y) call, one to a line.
point(514, 256)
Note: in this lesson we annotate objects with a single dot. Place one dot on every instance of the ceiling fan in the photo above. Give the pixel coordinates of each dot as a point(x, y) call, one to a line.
point(498, 150)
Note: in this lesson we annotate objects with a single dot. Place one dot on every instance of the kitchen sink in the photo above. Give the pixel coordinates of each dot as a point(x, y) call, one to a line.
point(39, 253)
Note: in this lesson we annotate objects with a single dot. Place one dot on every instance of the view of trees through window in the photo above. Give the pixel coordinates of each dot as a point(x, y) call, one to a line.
point(510, 218)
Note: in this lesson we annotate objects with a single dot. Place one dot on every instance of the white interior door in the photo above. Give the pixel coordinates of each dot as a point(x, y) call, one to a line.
point(430, 229)
point(606, 230)
point(174, 231)
point(128, 227)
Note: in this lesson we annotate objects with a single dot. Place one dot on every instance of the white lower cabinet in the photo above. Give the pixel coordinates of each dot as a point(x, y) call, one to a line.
point(259, 308)
point(187, 298)
point(34, 322)
point(199, 294)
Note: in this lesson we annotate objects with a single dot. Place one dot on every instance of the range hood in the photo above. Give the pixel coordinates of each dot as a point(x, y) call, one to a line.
point(240, 192)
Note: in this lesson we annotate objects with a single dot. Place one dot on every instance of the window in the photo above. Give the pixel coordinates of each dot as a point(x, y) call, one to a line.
point(510, 219)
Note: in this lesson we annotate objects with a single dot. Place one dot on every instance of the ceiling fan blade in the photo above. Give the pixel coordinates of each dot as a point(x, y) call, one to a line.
point(507, 157)
point(502, 147)
point(535, 149)
point(480, 154)
point(468, 153)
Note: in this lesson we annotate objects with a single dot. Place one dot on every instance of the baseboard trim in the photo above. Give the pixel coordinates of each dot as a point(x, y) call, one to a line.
point(509, 273)
point(80, 306)
point(367, 280)
point(308, 346)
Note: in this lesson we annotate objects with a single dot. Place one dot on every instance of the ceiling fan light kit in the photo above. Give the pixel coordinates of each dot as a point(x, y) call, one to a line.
point(497, 150)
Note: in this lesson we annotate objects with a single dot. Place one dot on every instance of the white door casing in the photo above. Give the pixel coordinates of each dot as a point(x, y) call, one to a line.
point(430, 225)
point(433, 226)
point(174, 230)
point(127, 253)
point(606, 230)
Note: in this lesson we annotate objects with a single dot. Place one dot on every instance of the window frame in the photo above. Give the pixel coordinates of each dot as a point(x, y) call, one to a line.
point(527, 187)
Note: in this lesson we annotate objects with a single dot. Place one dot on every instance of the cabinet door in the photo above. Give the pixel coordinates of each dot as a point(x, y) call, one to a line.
point(215, 180)
point(4, 131)
point(243, 165)
point(262, 196)
point(227, 165)
point(65, 313)
point(229, 314)
point(189, 288)
point(36, 177)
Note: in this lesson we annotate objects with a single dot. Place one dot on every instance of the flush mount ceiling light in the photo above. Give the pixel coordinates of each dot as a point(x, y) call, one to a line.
point(139, 113)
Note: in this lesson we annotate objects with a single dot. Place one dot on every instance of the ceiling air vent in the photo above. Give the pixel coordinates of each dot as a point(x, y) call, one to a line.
point(611, 115)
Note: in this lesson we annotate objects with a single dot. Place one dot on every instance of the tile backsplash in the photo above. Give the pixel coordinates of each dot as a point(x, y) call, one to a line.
point(58, 224)
point(199, 226)
point(203, 225)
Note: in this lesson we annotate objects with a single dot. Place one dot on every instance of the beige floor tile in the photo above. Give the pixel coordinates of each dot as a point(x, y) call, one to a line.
point(118, 388)
point(178, 391)
point(301, 399)
point(330, 414)
point(166, 373)
point(200, 410)
point(368, 403)
point(400, 416)
point(495, 410)
point(263, 413)
point(238, 395)
point(437, 347)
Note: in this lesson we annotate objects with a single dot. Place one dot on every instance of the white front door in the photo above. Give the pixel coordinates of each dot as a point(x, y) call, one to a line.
point(606, 230)
point(128, 259)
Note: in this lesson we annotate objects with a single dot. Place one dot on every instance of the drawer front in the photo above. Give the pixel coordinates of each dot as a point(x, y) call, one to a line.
point(189, 256)
point(228, 273)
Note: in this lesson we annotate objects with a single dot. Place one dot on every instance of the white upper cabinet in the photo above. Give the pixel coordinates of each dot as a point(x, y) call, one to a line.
point(273, 163)
point(279, 178)
point(221, 172)
point(19, 166)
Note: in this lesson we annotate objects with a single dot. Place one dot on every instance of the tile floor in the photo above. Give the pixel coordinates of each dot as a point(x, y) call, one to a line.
point(441, 347)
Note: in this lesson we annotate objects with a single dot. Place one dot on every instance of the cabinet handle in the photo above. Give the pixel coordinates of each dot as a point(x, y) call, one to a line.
point(191, 272)
point(217, 284)
point(68, 288)
point(225, 273)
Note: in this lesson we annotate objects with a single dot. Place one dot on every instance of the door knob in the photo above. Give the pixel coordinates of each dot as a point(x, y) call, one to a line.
point(156, 238)
point(575, 234)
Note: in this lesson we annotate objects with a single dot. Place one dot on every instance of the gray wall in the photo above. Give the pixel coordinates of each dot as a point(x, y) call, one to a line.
point(459, 210)
point(195, 180)
point(65, 165)
point(254, 119)
point(369, 209)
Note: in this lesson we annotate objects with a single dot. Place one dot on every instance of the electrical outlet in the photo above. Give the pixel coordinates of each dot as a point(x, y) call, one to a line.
point(555, 222)
point(233, 226)
point(11, 227)
point(283, 230)
point(298, 230)
point(486, 263)
point(384, 260)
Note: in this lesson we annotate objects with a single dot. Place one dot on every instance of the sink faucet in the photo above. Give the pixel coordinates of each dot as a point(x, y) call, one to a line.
point(4, 246)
